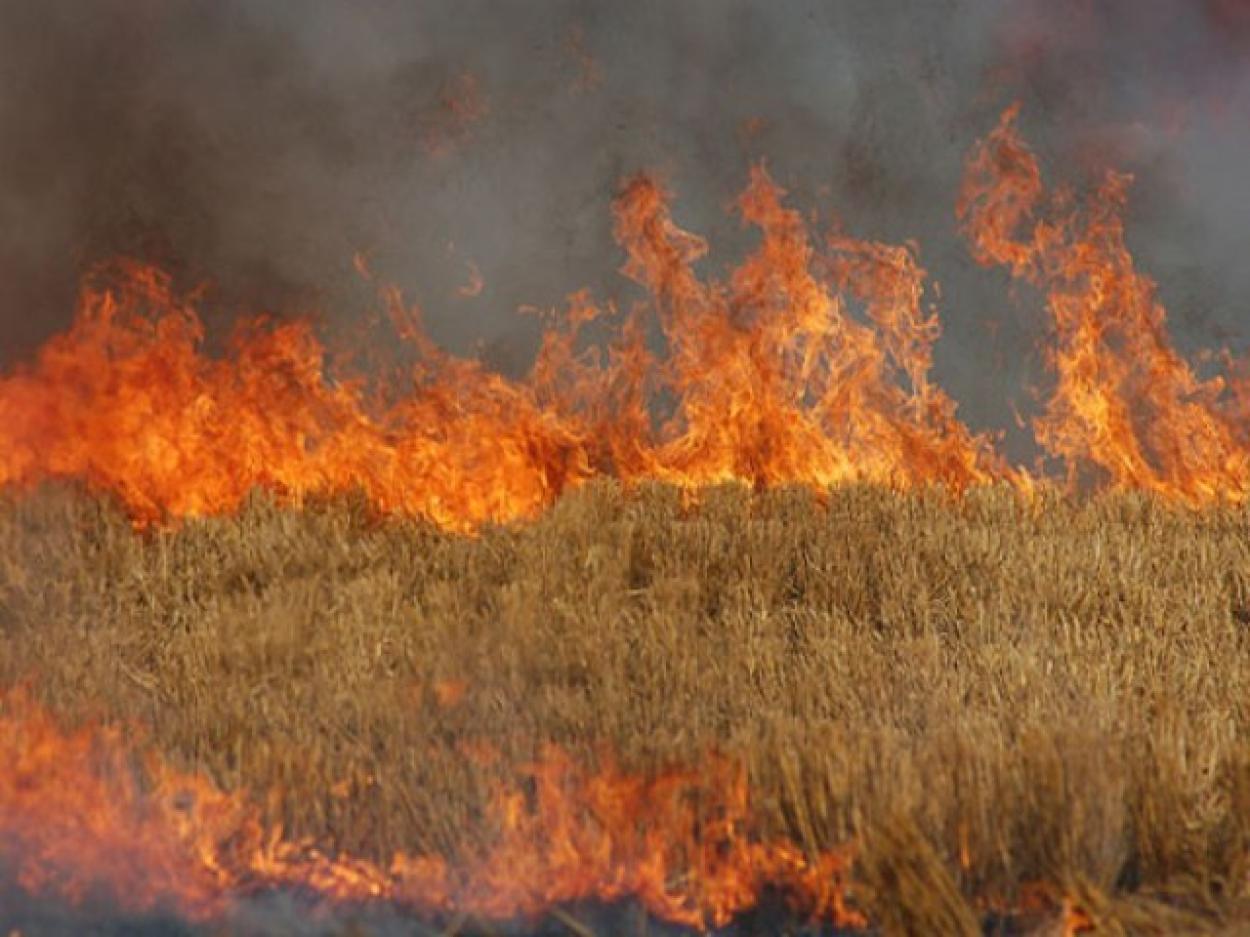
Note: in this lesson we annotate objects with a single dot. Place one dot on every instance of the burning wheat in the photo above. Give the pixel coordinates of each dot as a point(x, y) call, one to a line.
point(917, 705)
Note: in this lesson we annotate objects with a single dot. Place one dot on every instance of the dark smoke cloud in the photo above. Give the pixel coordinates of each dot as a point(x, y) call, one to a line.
point(259, 144)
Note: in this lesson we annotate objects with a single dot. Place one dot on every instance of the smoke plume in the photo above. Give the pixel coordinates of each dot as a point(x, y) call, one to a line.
point(468, 150)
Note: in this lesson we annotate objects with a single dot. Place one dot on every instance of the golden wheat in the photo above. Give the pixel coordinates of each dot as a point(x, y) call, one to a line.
point(983, 693)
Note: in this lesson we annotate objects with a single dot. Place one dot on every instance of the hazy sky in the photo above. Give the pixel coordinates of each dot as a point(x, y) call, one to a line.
point(259, 144)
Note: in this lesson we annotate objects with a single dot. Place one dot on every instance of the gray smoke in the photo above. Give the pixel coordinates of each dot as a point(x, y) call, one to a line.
point(260, 144)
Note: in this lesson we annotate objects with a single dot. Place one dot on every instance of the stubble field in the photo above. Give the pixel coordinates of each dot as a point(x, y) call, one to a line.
point(984, 699)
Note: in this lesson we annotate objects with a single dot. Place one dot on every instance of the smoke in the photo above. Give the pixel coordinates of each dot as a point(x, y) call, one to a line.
point(261, 144)
point(279, 912)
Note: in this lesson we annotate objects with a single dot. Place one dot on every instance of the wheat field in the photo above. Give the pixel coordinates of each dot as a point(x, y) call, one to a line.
point(985, 695)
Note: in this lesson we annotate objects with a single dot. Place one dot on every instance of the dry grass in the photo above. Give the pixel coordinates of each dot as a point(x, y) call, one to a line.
point(986, 694)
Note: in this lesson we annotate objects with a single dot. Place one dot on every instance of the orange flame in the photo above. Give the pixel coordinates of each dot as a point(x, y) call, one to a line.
point(460, 105)
point(808, 364)
point(775, 380)
point(475, 285)
point(681, 843)
point(1125, 401)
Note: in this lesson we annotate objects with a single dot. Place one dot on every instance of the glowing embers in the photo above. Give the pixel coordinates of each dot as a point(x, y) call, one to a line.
point(682, 844)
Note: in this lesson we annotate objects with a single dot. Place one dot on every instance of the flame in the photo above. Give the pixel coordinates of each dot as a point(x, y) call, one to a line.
point(460, 106)
point(805, 366)
point(777, 382)
point(128, 401)
point(475, 284)
point(1125, 402)
point(681, 843)
point(809, 363)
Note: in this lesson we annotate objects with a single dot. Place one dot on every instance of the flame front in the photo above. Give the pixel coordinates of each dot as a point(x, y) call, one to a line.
point(682, 843)
point(803, 366)
point(774, 381)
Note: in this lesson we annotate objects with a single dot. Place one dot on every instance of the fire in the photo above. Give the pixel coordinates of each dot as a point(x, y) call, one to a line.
point(776, 381)
point(475, 285)
point(460, 106)
point(128, 401)
point(1125, 402)
point(772, 376)
point(681, 843)
point(807, 364)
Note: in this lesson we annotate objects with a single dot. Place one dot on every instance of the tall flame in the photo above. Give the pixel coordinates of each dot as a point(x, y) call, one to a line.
point(777, 382)
point(1125, 401)
point(804, 365)
point(773, 377)
point(682, 843)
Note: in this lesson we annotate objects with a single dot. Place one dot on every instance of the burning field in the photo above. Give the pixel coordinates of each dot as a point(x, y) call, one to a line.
point(874, 707)
point(717, 616)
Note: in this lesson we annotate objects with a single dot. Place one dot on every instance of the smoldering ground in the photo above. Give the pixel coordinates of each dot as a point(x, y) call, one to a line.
point(260, 145)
